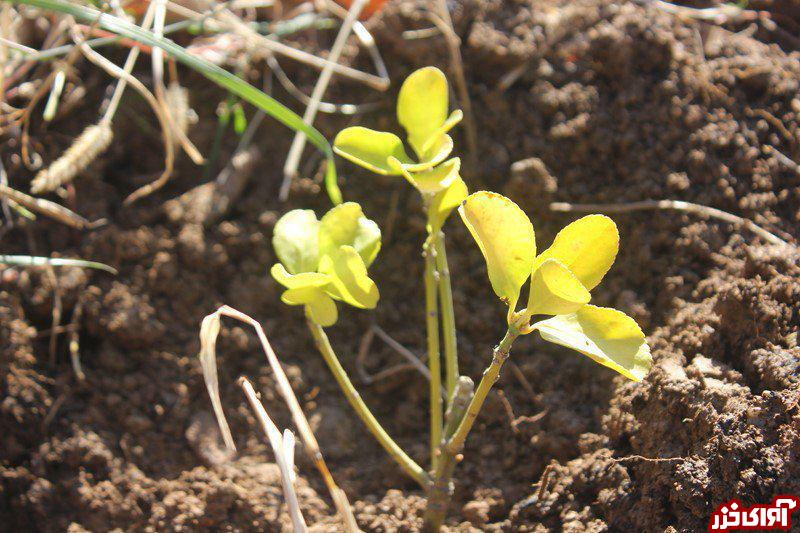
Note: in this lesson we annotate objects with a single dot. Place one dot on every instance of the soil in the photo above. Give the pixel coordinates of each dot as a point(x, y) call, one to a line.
point(603, 103)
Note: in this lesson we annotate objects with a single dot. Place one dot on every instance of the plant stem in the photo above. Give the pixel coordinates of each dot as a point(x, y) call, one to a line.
point(406, 463)
point(448, 316)
point(441, 491)
point(434, 364)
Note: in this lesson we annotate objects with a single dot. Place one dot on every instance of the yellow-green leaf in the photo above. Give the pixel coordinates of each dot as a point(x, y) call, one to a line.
point(319, 307)
point(439, 151)
point(555, 290)
point(608, 336)
point(444, 202)
point(346, 224)
point(436, 179)
point(587, 247)
point(371, 149)
point(506, 238)
point(422, 105)
point(454, 118)
point(297, 281)
point(350, 282)
point(296, 242)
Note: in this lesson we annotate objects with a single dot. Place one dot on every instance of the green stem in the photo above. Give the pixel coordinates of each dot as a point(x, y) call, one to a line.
point(442, 489)
point(448, 315)
point(406, 463)
point(434, 364)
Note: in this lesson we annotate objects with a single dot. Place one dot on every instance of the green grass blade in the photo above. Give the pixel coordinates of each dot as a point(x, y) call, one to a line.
point(218, 75)
point(29, 260)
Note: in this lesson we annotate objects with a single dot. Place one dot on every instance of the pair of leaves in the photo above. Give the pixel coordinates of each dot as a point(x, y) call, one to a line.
point(326, 260)
point(561, 278)
point(300, 240)
point(422, 107)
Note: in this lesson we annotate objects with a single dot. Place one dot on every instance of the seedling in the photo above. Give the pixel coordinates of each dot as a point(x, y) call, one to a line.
point(323, 261)
point(422, 109)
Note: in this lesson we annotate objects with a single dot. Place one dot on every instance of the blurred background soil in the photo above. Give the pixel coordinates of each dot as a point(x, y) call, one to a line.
point(603, 102)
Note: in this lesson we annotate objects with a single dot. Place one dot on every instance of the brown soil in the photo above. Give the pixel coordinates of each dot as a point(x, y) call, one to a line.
point(618, 103)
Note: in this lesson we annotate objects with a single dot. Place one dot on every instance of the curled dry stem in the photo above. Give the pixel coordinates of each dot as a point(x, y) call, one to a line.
point(209, 331)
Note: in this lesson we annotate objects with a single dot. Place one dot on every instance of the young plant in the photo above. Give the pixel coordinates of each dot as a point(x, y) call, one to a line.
point(422, 110)
point(560, 280)
point(323, 261)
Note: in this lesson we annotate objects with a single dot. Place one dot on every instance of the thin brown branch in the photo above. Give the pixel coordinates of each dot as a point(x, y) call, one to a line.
point(676, 205)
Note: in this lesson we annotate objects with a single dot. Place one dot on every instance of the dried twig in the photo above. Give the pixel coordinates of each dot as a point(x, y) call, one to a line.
point(783, 159)
point(225, 19)
point(522, 379)
point(414, 362)
point(444, 22)
point(642, 458)
point(718, 15)
point(676, 205)
point(514, 420)
point(50, 209)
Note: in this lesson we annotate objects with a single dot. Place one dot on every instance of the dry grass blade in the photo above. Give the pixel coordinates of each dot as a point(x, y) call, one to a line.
point(94, 140)
point(676, 205)
point(29, 260)
point(176, 132)
point(283, 447)
point(209, 330)
point(299, 142)
point(49, 209)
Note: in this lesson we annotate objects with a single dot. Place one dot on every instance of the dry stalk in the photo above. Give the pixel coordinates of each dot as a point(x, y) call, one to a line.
point(283, 448)
point(444, 22)
point(299, 142)
point(49, 209)
point(176, 132)
point(676, 205)
point(209, 331)
point(367, 41)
